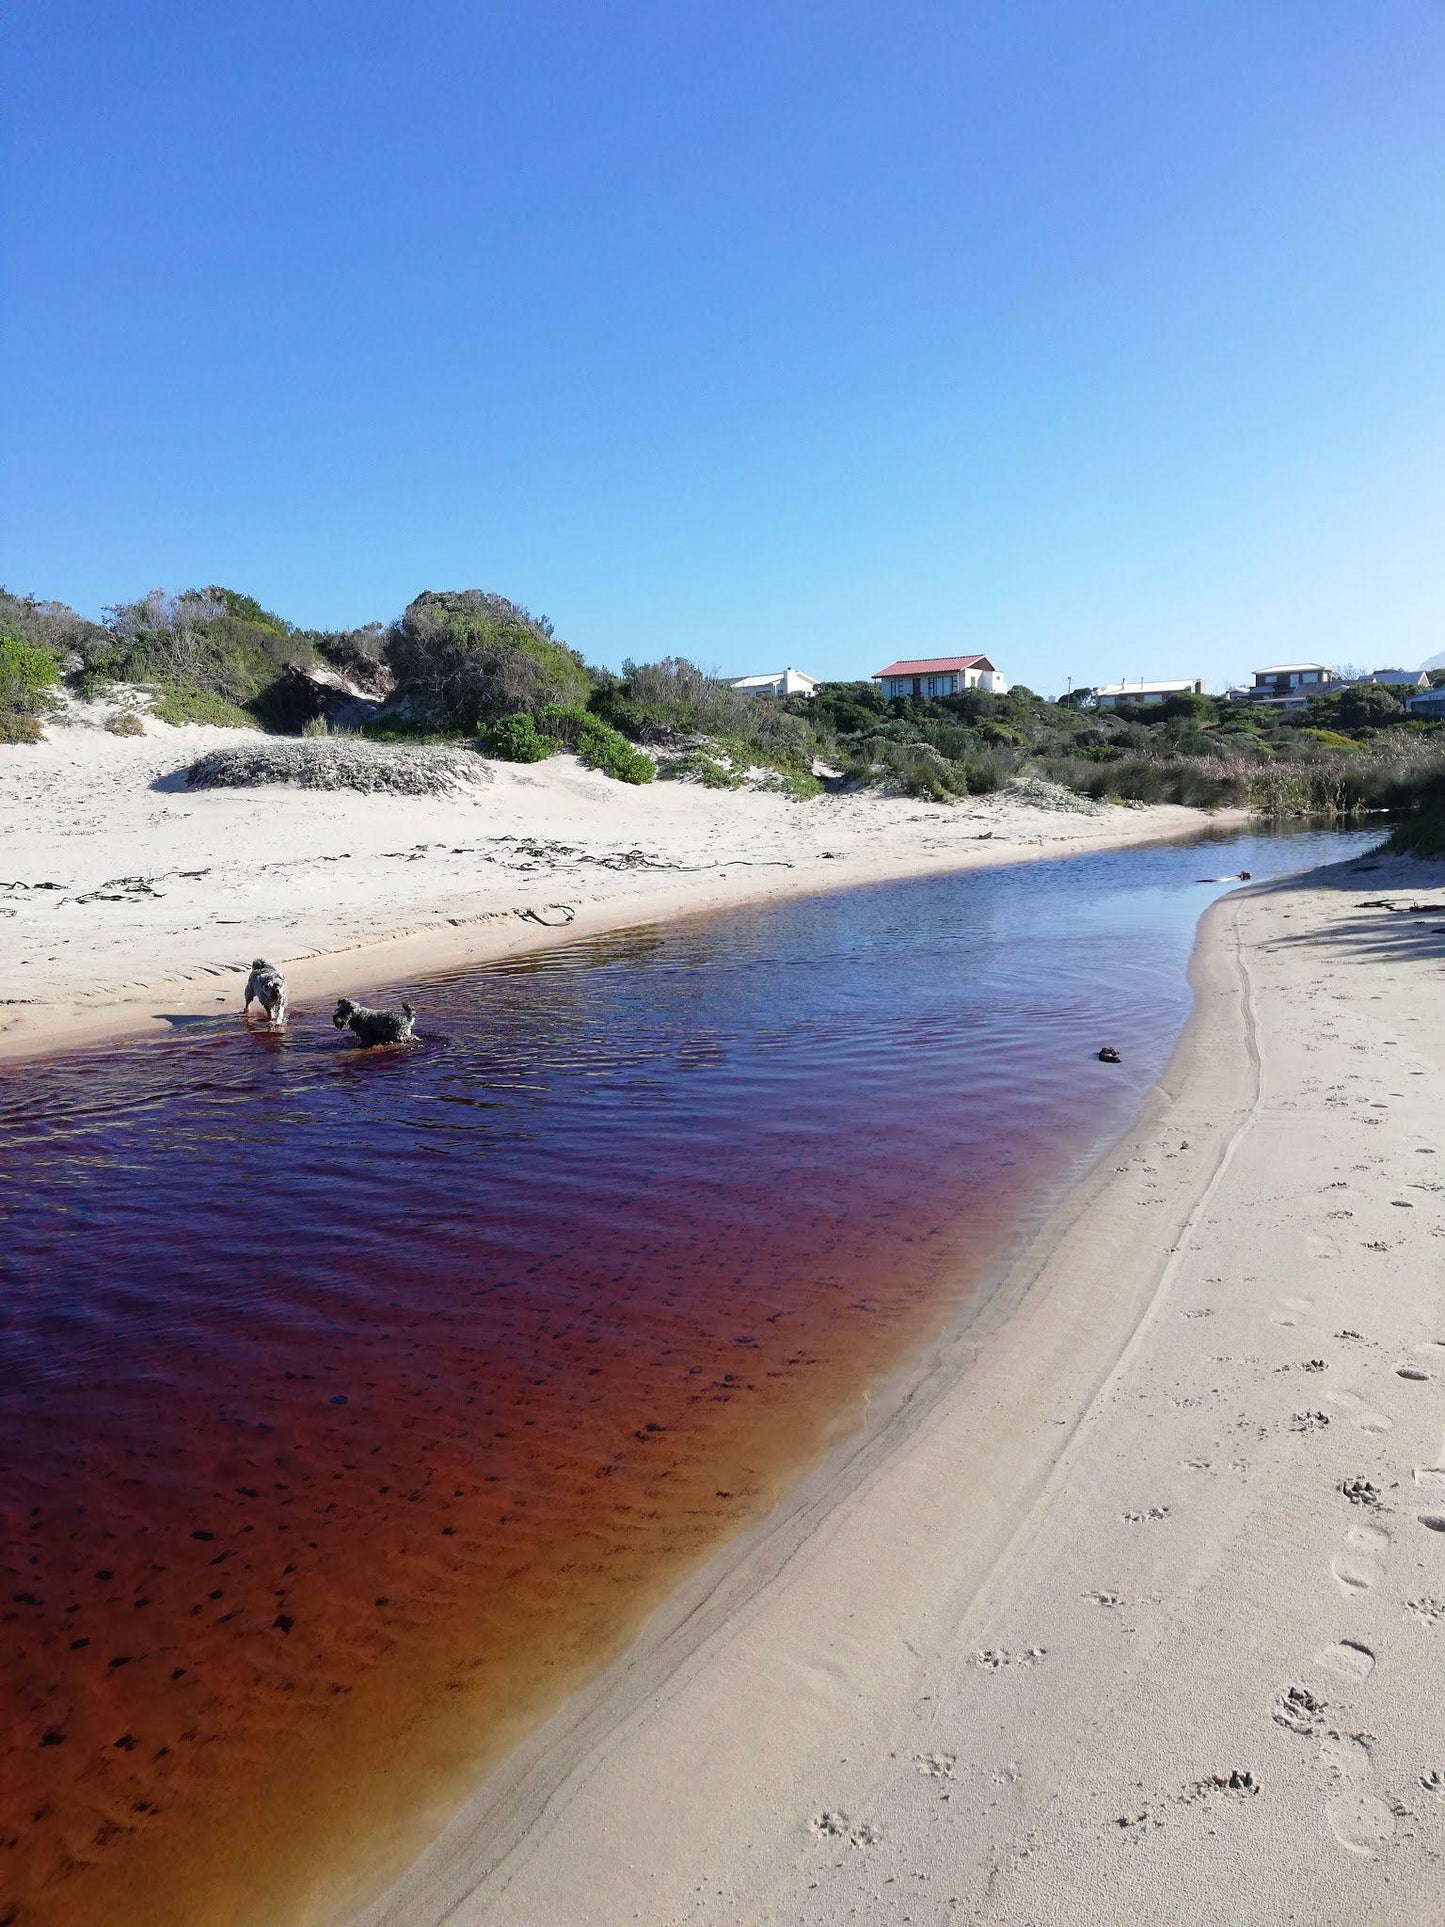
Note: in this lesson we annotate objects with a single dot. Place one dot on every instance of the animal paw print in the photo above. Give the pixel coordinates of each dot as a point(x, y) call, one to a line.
point(1297, 1708)
point(936, 1766)
point(1360, 1491)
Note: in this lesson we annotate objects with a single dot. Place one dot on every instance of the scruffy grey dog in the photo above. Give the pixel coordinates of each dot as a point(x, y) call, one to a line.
point(370, 1026)
point(267, 987)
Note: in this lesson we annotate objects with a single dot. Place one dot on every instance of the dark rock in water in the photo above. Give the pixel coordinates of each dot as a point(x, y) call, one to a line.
point(1108, 1055)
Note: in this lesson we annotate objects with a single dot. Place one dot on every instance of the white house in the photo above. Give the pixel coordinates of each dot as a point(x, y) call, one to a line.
point(940, 676)
point(777, 682)
point(1288, 685)
point(1117, 695)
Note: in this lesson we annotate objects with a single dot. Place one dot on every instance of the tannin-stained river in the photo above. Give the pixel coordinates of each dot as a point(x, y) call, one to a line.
point(354, 1407)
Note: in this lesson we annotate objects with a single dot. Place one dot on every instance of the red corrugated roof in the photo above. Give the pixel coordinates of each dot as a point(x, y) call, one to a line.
point(933, 666)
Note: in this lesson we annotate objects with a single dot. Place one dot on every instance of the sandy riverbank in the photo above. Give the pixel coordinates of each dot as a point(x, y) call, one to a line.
point(124, 905)
point(1087, 1628)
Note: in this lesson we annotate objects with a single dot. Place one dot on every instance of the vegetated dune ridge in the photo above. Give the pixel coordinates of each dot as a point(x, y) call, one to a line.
point(1131, 1608)
point(123, 904)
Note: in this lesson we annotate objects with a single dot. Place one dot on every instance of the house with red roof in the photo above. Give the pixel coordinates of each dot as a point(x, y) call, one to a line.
point(940, 676)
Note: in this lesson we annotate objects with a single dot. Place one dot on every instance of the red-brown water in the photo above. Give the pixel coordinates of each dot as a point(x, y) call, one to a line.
point(354, 1407)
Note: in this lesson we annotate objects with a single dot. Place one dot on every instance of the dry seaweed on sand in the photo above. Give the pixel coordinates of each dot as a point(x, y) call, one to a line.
point(331, 764)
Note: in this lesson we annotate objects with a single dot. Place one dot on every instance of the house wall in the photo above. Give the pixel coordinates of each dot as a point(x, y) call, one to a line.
point(953, 683)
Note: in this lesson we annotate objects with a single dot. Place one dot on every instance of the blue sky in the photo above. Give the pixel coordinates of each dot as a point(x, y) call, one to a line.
point(1106, 338)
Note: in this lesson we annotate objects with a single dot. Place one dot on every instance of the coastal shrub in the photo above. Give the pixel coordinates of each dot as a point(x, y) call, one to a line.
point(15, 728)
point(466, 658)
point(674, 704)
point(914, 769)
point(516, 739)
point(125, 722)
point(595, 743)
point(179, 704)
point(698, 766)
point(51, 626)
point(801, 784)
point(211, 640)
point(28, 676)
point(337, 763)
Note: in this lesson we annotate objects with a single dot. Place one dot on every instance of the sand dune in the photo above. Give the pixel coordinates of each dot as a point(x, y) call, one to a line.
point(127, 899)
point(1129, 1609)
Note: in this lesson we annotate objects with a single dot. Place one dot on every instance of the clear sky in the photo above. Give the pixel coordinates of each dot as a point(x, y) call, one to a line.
point(1106, 338)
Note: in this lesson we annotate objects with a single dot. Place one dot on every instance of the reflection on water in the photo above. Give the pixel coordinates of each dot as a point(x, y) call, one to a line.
point(353, 1405)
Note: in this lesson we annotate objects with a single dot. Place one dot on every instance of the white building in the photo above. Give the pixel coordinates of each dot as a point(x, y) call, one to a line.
point(940, 676)
point(777, 682)
point(1118, 695)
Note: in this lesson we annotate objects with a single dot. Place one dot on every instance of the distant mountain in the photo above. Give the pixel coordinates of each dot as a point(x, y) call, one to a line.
point(1435, 662)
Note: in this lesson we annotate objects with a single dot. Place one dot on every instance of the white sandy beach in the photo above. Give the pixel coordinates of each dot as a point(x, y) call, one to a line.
point(123, 904)
point(1130, 1607)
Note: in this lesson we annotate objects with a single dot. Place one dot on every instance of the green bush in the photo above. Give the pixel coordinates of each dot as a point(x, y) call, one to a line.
point(596, 744)
point(15, 728)
point(467, 658)
point(28, 675)
point(801, 784)
point(179, 705)
point(516, 739)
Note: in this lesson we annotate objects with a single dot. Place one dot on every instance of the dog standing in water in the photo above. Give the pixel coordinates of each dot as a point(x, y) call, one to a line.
point(267, 987)
point(370, 1026)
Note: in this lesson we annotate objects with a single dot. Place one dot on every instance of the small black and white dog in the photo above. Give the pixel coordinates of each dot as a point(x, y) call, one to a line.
point(267, 987)
point(370, 1026)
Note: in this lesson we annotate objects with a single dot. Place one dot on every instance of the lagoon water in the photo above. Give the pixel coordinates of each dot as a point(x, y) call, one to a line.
point(355, 1406)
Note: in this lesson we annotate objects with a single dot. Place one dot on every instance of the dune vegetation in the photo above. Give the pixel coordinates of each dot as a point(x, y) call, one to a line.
point(472, 668)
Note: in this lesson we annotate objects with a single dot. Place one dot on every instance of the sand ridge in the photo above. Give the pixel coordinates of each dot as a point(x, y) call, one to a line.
point(1127, 1608)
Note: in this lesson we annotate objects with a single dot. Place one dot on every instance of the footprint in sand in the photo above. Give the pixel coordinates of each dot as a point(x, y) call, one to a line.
point(1364, 1416)
point(1322, 1245)
point(1289, 1311)
point(1349, 1659)
point(1431, 1476)
point(1417, 1373)
point(1353, 1576)
point(1432, 1521)
point(1352, 1573)
point(1361, 1822)
point(1359, 1819)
